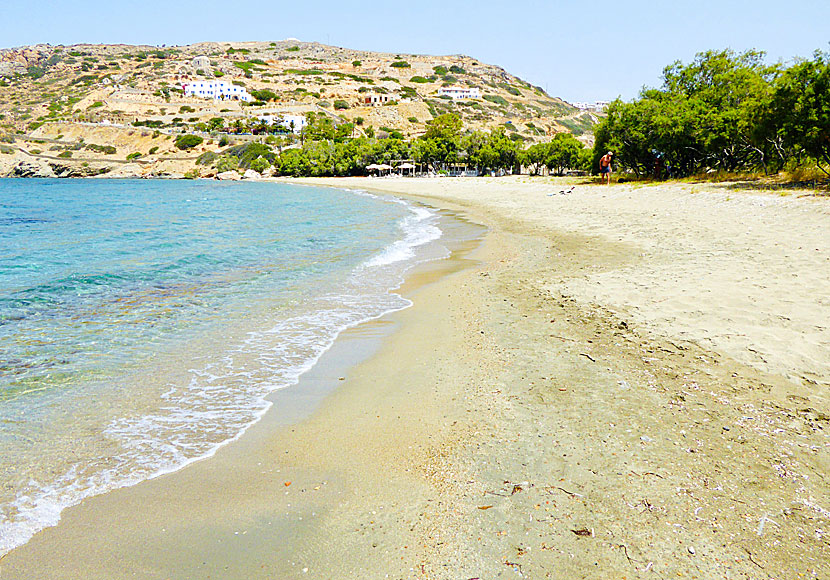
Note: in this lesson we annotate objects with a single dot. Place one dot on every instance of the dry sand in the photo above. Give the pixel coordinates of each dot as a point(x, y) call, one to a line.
point(621, 382)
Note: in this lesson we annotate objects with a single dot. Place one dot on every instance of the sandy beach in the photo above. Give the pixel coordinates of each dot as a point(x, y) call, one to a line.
point(617, 382)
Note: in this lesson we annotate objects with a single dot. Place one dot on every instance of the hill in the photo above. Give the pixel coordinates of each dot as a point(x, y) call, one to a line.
point(88, 109)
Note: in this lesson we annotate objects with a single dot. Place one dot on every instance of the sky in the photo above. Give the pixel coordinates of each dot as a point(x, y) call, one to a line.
point(576, 50)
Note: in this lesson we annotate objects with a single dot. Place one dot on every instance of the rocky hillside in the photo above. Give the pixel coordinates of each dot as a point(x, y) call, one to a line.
point(87, 109)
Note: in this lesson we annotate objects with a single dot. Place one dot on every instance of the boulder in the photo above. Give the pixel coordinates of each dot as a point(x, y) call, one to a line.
point(228, 176)
point(251, 174)
point(32, 168)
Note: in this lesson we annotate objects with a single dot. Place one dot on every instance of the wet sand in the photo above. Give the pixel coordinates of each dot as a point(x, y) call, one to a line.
point(619, 382)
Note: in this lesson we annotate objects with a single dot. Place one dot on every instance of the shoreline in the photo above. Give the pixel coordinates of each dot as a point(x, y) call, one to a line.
point(567, 406)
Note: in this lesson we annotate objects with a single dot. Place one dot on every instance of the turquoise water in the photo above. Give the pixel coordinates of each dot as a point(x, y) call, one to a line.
point(143, 323)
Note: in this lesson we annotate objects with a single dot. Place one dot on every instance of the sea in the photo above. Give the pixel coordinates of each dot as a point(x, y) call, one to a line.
point(143, 323)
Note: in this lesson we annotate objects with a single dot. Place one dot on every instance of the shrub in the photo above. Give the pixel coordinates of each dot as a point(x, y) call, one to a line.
point(64, 155)
point(359, 121)
point(227, 163)
point(105, 149)
point(207, 158)
point(356, 63)
point(152, 150)
point(418, 79)
point(401, 64)
point(292, 49)
point(440, 70)
point(260, 164)
point(340, 105)
point(264, 95)
point(413, 119)
point(134, 155)
point(495, 99)
point(95, 105)
point(187, 109)
point(457, 70)
point(184, 142)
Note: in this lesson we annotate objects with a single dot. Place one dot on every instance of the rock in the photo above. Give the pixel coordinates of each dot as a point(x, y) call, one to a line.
point(251, 174)
point(32, 168)
point(228, 176)
point(201, 63)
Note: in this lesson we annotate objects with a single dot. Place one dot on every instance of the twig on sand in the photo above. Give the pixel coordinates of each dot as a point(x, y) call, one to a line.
point(588, 356)
point(570, 493)
point(625, 551)
point(751, 559)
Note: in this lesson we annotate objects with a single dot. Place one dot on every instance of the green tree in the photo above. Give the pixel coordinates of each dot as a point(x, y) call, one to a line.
point(801, 108)
point(184, 142)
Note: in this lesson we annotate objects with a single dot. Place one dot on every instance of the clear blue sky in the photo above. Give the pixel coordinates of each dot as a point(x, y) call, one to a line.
point(581, 51)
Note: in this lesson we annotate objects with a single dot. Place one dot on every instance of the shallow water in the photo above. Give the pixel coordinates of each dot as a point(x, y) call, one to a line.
point(143, 323)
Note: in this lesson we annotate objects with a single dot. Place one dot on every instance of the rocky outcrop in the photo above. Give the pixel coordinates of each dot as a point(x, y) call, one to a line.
point(32, 168)
point(228, 176)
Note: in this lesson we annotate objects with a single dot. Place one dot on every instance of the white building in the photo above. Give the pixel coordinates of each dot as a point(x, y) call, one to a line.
point(217, 90)
point(598, 106)
point(293, 122)
point(459, 92)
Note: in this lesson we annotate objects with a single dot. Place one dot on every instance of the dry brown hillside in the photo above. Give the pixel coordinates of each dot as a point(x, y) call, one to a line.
point(130, 97)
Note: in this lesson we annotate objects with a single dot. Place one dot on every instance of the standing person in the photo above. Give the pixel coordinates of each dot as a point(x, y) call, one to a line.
point(605, 167)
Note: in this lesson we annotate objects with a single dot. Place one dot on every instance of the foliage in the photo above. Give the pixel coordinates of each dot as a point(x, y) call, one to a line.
point(134, 155)
point(724, 111)
point(563, 152)
point(105, 149)
point(401, 64)
point(246, 153)
point(800, 108)
point(340, 105)
point(498, 99)
point(184, 142)
point(260, 164)
point(418, 79)
point(207, 158)
point(264, 95)
point(227, 163)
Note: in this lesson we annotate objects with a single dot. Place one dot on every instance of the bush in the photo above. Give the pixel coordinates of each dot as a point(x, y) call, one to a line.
point(496, 99)
point(134, 155)
point(105, 149)
point(64, 155)
point(264, 95)
point(152, 150)
point(227, 163)
point(206, 158)
point(457, 70)
point(184, 142)
point(401, 64)
point(260, 164)
point(418, 79)
point(356, 63)
point(440, 70)
point(340, 105)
